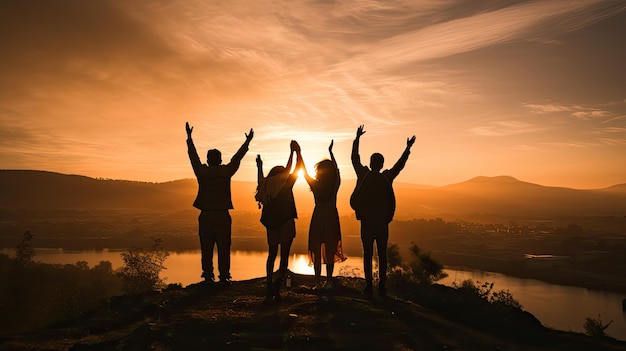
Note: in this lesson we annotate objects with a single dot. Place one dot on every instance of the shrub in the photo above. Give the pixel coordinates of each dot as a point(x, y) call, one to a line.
point(420, 270)
point(485, 291)
point(24, 253)
point(40, 294)
point(505, 298)
point(142, 267)
point(595, 327)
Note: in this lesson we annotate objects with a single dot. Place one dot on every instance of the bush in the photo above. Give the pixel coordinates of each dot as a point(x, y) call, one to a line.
point(142, 267)
point(38, 294)
point(595, 327)
point(420, 269)
point(485, 292)
point(24, 253)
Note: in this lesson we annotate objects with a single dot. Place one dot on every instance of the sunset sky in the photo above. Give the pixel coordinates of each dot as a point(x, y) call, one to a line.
point(531, 89)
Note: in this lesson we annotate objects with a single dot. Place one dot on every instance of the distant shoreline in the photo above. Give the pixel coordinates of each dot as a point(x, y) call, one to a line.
point(512, 268)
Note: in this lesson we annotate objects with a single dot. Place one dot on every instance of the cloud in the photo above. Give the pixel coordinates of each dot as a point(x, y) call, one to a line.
point(104, 82)
point(504, 128)
point(611, 130)
point(523, 147)
point(612, 141)
point(569, 145)
point(578, 111)
point(589, 114)
point(547, 108)
point(526, 21)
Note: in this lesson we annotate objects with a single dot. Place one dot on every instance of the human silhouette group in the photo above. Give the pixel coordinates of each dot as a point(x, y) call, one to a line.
point(373, 201)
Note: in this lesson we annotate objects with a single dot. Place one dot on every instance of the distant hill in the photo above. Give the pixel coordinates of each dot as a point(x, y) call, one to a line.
point(502, 195)
point(509, 196)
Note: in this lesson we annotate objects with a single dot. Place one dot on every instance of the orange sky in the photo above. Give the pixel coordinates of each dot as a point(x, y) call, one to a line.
point(531, 89)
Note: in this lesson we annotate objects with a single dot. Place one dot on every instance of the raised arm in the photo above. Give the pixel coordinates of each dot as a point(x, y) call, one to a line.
point(395, 170)
point(290, 160)
point(310, 180)
point(196, 164)
point(356, 159)
point(259, 166)
point(299, 160)
point(236, 159)
point(332, 158)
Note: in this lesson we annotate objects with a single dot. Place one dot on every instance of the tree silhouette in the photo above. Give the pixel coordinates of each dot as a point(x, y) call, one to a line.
point(24, 252)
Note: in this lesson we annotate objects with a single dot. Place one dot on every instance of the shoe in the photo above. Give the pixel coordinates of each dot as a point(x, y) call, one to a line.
point(208, 278)
point(225, 281)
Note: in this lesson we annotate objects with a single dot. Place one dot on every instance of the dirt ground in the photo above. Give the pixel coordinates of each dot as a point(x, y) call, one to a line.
point(237, 317)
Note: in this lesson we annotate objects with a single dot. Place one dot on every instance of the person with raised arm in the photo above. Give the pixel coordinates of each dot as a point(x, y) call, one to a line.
point(324, 230)
point(275, 195)
point(374, 203)
point(214, 202)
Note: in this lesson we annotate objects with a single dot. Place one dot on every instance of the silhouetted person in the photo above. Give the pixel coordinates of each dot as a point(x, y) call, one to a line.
point(374, 203)
point(324, 230)
point(214, 201)
point(275, 193)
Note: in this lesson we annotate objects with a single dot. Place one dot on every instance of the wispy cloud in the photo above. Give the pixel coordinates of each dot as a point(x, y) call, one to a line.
point(612, 141)
point(520, 22)
point(547, 108)
point(610, 130)
point(589, 114)
point(569, 144)
point(578, 111)
point(523, 147)
point(504, 128)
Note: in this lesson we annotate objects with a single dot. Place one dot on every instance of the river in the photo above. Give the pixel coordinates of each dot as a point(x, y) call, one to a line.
point(556, 306)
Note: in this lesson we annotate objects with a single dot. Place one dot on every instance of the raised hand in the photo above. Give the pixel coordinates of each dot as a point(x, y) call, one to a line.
point(189, 130)
point(259, 162)
point(295, 146)
point(410, 142)
point(360, 131)
point(249, 135)
point(330, 148)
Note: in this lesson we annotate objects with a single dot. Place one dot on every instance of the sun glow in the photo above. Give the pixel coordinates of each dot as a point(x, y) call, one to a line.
point(300, 264)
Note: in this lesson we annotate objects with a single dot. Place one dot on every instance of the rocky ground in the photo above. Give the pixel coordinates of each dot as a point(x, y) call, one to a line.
point(237, 317)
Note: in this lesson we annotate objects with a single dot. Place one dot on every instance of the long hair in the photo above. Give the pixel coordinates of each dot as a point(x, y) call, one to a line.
point(326, 175)
point(262, 193)
point(276, 170)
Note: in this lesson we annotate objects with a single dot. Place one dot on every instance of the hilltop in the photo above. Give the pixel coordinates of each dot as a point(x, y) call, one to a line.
point(502, 195)
point(236, 317)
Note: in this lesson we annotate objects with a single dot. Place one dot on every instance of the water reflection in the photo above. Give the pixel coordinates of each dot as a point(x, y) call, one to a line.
point(557, 306)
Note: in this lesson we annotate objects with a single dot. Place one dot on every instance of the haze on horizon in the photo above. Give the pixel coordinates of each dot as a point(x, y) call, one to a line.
point(530, 89)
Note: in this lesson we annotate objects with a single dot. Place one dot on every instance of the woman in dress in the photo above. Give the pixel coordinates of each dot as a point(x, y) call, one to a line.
point(324, 230)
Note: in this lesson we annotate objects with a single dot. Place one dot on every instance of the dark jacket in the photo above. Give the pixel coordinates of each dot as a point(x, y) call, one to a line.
point(376, 198)
point(214, 181)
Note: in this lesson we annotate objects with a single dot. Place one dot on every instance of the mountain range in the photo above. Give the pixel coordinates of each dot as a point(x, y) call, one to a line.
point(502, 195)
